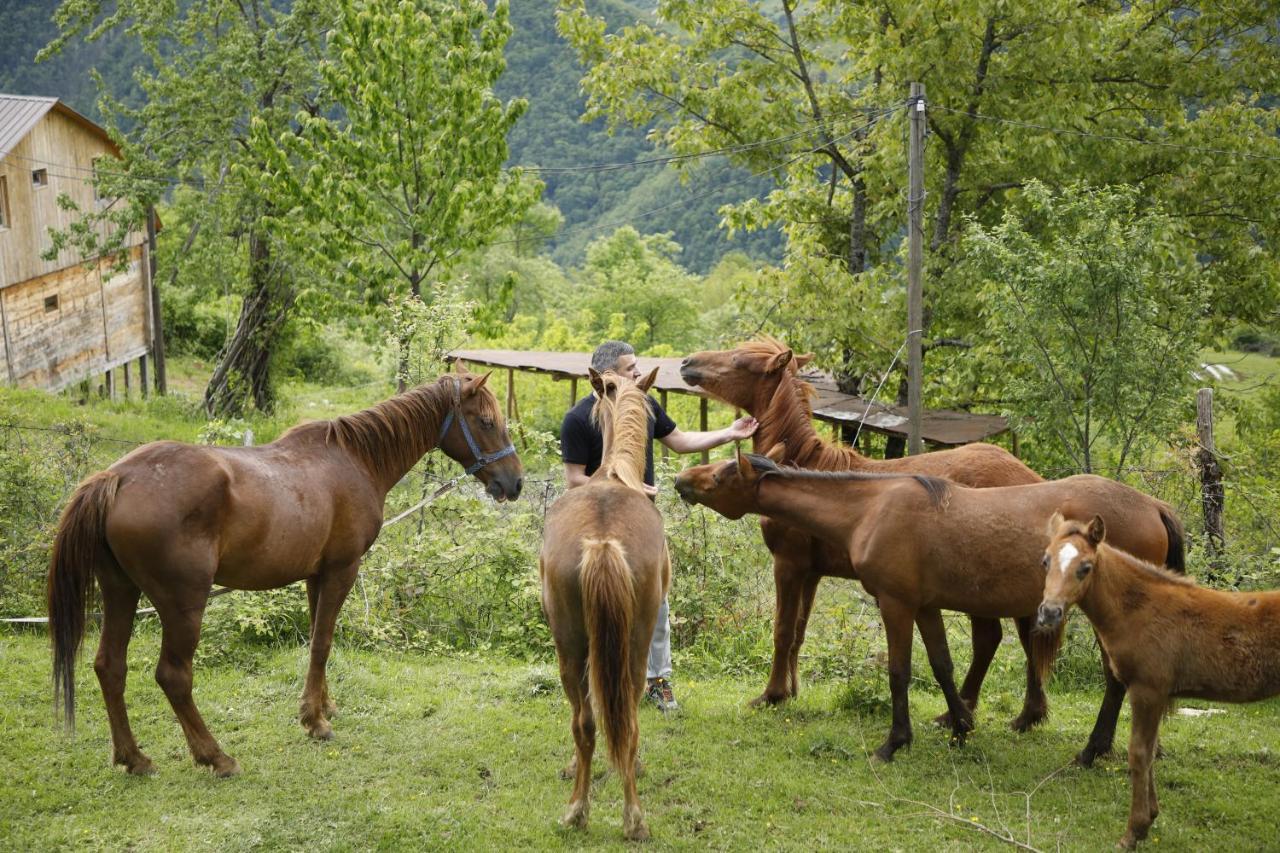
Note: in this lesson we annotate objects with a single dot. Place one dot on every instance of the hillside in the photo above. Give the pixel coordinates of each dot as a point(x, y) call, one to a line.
point(541, 68)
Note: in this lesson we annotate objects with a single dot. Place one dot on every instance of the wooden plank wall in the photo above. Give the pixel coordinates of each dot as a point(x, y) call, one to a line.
point(55, 347)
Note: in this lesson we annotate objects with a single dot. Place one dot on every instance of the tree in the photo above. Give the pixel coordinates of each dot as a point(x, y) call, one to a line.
point(220, 67)
point(403, 170)
point(1149, 94)
point(1093, 306)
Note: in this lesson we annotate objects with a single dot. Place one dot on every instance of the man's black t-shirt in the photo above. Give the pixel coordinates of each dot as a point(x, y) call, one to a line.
point(581, 442)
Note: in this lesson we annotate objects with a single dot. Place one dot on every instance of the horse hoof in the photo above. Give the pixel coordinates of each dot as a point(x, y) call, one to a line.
point(1085, 757)
point(767, 699)
point(321, 731)
point(1024, 722)
point(330, 708)
point(576, 816)
point(226, 767)
point(141, 766)
point(638, 832)
point(887, 749)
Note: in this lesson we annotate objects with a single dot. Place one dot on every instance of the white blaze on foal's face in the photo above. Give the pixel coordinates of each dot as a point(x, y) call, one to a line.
point(1066, 556)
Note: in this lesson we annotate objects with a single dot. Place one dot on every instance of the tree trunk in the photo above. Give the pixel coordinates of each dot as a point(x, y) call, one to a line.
point(243, 372)
point(895, 446)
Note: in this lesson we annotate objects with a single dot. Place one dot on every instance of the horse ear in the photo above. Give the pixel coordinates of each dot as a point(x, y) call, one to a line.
point(597, 384)
point(647, 383)
point(744, 466)
point(460, 366)
point(475, 384)
point(1097, 530)
point(1055, 521)
point(778, 361)
point(802, 360)
point(778, 452)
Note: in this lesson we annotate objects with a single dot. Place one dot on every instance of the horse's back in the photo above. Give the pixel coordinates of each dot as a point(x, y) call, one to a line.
point(602, 510)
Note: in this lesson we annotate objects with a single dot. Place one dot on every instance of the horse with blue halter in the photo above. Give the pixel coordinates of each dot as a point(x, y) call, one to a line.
point(171, 520)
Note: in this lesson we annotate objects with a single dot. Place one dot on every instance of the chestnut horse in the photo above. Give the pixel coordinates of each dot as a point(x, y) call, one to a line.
point(605, 570)
point(1165, 637)
point(920, 551)
point(761, 378)
point(171, 520)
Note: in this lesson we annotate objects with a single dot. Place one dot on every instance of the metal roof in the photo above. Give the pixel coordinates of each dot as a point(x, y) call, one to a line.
point(20, 113)
point(940, 426)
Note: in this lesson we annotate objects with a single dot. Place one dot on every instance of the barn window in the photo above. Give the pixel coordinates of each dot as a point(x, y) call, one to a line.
point(40, 177)
point(51, 303)
point(4, 202)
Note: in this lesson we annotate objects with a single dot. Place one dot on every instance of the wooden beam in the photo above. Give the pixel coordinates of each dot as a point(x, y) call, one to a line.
point(108, 385)
point(157, 324)
point(127, 384)
point(8, 354)
point(511, 392)
point(142, 375)
point(573, 391)
point(662, 399)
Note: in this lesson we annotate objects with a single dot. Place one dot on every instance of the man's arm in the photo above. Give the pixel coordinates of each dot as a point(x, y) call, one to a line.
point(575, 475)
point(692, 442)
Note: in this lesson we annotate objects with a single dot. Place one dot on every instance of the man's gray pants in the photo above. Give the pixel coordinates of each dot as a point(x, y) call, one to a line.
point(660, 645)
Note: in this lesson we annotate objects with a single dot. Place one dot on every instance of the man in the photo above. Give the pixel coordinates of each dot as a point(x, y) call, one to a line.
point(581, 446)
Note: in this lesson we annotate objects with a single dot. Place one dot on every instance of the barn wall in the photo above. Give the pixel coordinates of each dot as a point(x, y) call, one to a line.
point(65, 149)
point(52, 347)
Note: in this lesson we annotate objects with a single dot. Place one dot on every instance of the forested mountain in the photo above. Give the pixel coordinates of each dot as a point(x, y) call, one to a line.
point(541, 68)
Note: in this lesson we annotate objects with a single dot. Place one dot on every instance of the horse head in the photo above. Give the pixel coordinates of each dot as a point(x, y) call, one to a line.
point(479, 440)
point(745, 375)
point(729, 487)
point(1069, 566)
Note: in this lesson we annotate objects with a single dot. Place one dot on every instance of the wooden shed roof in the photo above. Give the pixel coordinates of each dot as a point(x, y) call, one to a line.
point(20, 113)
point(829, 404)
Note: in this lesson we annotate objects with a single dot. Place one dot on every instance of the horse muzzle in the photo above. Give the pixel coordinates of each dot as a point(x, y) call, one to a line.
point(685, 489)
point(689, 373)
point(1048, 617)
point(505, 488)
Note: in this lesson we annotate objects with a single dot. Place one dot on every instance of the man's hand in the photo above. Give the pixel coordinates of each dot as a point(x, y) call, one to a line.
point(651, 491)
point(742, 428)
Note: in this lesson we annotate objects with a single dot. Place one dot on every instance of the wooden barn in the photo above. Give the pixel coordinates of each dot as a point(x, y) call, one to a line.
point(71, 318)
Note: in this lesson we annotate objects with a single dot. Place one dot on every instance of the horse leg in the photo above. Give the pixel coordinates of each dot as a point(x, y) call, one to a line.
point(1104, 729)
point(788, 586)
point(634, 827)
point(808, 590)
point(934, 634)
point(313, 600)
point(898, 618)
point(1035, 707)
point(334, 586)
point(119, 605)
point(986, 639)
point(1148, 707)
point(573, 675)
point(180, 622)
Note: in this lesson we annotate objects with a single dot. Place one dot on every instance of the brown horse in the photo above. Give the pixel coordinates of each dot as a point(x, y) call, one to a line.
point(605, 569)
point(1165, 637)
point(920, 551)
point(761, 377)
point(171, 520)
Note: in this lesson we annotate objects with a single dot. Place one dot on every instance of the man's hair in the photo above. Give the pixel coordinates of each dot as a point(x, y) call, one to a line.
point(607, 354)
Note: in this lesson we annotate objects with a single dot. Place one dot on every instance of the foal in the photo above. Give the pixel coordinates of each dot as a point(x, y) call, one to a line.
point(923, 550)
point(605, 569)
point(171, 520)
point(1165, 636)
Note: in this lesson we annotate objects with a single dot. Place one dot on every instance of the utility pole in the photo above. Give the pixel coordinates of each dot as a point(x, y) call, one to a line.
point(915, 261)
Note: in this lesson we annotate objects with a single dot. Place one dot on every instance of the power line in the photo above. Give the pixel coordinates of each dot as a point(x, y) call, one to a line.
point(1108, 136)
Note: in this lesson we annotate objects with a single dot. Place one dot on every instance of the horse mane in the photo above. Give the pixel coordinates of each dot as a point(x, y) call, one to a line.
point(388, 438)
point(625, 424)
point(788, 417)
point(937, 487)
point(1153, 572)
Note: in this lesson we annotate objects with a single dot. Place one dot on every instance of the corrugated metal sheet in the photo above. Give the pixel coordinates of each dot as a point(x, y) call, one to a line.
point(940, 426)
point(18, 114)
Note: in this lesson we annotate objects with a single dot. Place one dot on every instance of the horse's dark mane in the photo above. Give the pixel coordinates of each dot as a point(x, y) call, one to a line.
point(1151, 570)
point(390, 437)
point(937, 487)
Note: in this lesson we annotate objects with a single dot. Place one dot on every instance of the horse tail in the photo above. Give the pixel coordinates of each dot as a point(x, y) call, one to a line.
point(1176, 558)
point(1044, 649)
point(608, 600)
point(77, 547)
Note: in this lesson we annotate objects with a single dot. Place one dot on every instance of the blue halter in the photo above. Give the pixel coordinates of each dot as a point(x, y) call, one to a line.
point(482, 459)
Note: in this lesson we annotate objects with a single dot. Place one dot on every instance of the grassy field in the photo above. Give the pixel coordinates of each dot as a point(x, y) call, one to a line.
point(463, 753)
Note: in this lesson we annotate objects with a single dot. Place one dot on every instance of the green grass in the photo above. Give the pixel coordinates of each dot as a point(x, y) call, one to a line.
point(458, 752)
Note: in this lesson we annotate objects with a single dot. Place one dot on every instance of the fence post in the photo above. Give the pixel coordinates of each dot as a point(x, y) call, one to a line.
point(1211, 491)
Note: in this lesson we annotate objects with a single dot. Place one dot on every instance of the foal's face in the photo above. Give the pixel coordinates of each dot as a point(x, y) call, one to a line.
point(721, 486)
point(738, 376)
point(1069, 564)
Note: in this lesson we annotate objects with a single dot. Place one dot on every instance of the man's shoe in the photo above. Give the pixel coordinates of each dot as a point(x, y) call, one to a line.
point(660, 694)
